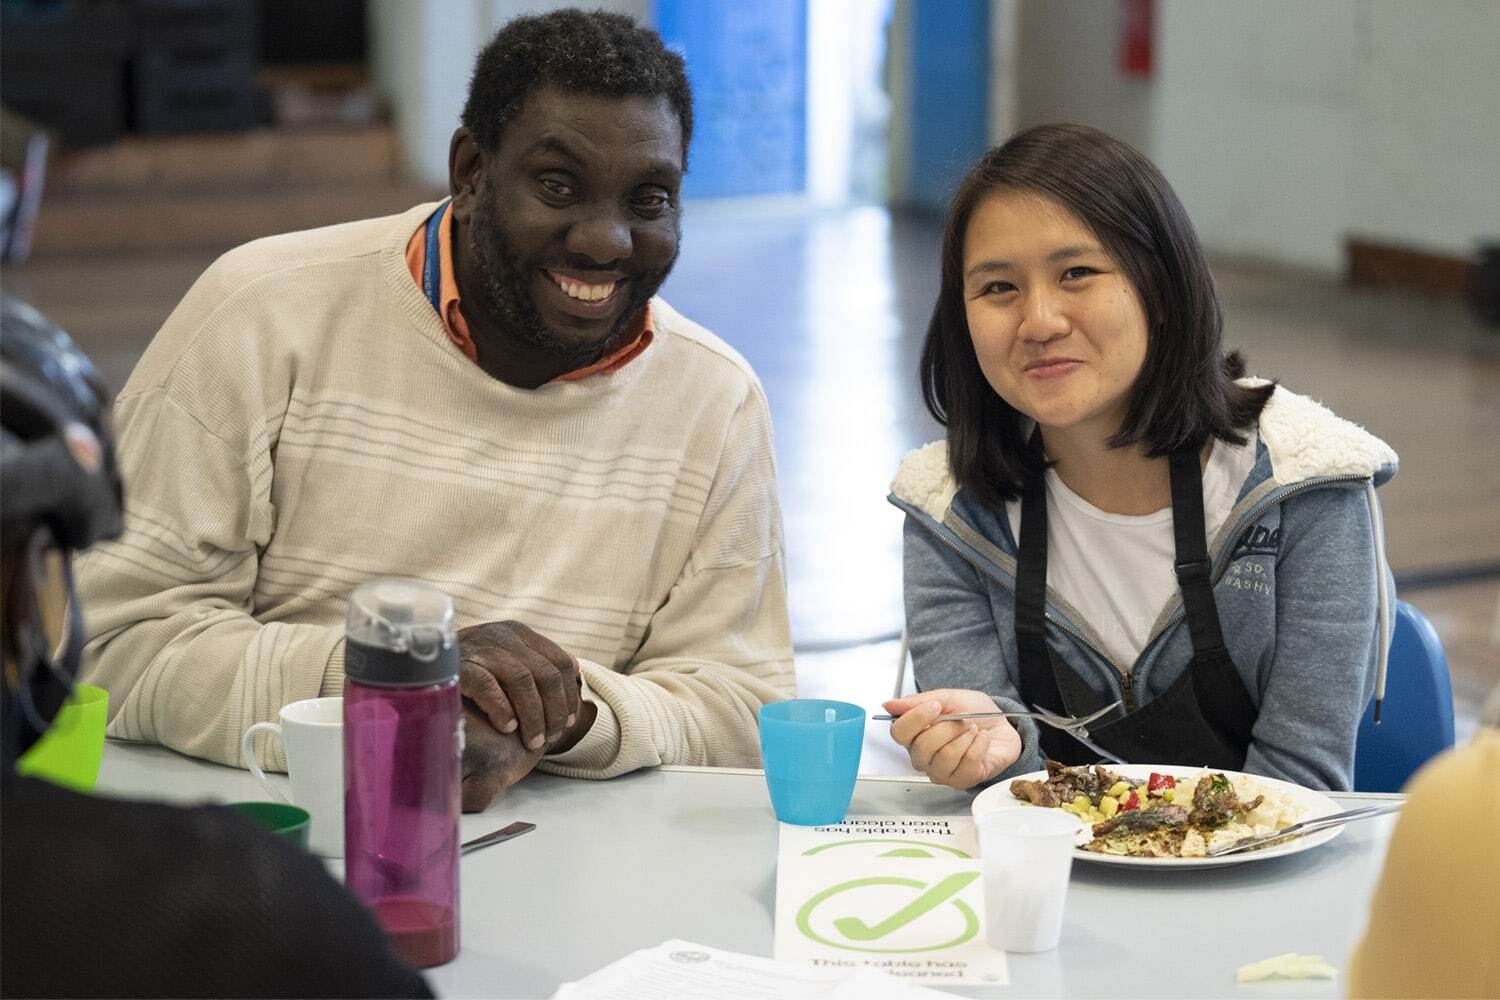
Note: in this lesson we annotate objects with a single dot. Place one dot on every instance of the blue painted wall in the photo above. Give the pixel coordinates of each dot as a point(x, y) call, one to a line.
point(950, 95)
point(747, 62)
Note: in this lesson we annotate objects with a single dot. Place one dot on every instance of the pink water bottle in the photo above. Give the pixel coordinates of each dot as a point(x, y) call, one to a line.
point(403, 738)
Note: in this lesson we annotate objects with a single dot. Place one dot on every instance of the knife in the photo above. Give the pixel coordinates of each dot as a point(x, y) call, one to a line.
point(498, 837)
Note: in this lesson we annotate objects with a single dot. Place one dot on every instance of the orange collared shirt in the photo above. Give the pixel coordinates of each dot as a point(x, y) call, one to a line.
point(458, 327)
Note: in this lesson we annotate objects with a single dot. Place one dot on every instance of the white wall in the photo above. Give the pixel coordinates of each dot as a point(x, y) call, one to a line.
point(1427, 135)
point(1068, 58)
point(504, 10)
point(422, 54)
point(1252, 123)
point(898, 134)
point(1286, 126)
point(847, 105)
point(1005, 68)
point(830, 73)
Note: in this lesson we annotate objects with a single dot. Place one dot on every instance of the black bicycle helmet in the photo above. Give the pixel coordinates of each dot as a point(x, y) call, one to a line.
point(59, 491)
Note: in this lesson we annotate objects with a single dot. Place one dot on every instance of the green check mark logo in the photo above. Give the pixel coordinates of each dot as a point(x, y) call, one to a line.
point(944, 892)
point(856, 929)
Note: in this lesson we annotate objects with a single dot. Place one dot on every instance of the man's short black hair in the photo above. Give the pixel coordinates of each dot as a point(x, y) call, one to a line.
point(1185, 391)
point(589, 52)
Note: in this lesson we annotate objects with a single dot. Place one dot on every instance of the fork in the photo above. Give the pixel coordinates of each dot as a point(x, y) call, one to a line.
point(1078, 729)
point(1064, 722)
point(1305, 827)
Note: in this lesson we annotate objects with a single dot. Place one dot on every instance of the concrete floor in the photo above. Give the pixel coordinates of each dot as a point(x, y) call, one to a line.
point(830, 308)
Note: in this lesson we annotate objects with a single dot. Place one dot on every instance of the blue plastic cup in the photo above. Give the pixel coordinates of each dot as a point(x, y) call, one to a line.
point(810, 749)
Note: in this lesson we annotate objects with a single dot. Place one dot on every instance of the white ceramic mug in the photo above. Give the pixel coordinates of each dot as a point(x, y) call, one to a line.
point(313, 733)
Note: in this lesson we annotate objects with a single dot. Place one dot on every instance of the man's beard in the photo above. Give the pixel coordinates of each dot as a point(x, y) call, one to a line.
point(506, 289)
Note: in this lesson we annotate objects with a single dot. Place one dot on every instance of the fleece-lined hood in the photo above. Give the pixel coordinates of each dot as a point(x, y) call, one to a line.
point(1303, 438)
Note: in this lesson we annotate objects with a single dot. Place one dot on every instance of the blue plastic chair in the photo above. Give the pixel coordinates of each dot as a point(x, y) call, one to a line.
point(1416, 721)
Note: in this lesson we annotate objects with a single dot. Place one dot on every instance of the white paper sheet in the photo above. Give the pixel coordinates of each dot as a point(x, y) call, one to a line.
point(681, 970)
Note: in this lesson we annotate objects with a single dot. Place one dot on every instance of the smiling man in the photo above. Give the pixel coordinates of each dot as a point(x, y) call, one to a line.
point(484, 394)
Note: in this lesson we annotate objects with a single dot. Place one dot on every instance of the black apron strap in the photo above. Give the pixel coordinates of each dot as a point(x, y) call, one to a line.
point(1038, 678)
point(1031, 566)
point(1222, 698)
point(1192, 563)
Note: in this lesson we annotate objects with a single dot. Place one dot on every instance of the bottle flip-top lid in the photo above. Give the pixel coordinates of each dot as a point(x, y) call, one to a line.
point(400, 634)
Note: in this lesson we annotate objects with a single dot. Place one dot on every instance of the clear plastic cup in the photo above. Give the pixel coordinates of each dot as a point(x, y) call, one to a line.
point(1026, 856)
point(810, 749)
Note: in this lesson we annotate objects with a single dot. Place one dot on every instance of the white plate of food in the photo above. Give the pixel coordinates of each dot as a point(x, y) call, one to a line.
point(1166, 815)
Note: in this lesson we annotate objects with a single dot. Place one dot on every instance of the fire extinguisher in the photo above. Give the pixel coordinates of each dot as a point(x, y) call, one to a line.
point(1135, 38)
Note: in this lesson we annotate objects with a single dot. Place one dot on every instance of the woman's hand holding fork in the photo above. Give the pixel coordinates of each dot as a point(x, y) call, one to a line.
point(958, 753)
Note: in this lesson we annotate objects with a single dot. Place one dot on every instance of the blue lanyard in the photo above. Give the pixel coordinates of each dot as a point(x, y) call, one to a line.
point(432, 264)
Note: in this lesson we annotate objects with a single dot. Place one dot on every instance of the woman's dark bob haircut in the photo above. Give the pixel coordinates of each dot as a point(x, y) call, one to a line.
point(1186, 389)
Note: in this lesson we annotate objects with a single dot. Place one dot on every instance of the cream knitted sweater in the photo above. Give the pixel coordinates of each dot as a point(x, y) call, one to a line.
point(302, 423)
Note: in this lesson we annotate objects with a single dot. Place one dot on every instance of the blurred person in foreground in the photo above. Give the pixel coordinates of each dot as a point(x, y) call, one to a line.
point(1435, 919)
point(484, 394)
point(108, 897)
point(1117, 516)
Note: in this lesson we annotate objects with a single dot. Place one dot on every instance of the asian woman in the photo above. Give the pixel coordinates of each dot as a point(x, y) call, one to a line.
point(1116, 514)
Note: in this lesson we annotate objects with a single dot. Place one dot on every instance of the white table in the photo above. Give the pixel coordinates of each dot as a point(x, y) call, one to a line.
point(691, 853)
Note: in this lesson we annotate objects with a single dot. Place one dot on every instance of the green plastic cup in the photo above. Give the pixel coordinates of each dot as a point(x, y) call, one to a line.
point(69, 753)
point(282, 819)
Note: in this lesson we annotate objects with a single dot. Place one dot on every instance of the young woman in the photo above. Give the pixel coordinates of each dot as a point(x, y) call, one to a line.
point(1116, 514)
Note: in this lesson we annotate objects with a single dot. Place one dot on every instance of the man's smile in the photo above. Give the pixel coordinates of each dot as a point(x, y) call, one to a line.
point(586, 298)
point(580, 288)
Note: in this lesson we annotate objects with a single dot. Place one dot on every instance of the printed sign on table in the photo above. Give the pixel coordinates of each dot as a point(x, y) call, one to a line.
point(902, 894)
point(884, 837)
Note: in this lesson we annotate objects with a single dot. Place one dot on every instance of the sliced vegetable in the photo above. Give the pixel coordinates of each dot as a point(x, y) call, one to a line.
point(1288, 966)
point(1132, 801)
point(1158, 782)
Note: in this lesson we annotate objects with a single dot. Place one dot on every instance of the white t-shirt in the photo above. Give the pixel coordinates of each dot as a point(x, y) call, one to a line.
point(1117, 569)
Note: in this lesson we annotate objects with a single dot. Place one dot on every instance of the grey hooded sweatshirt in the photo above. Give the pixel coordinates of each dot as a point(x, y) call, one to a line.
point(1299, 575)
